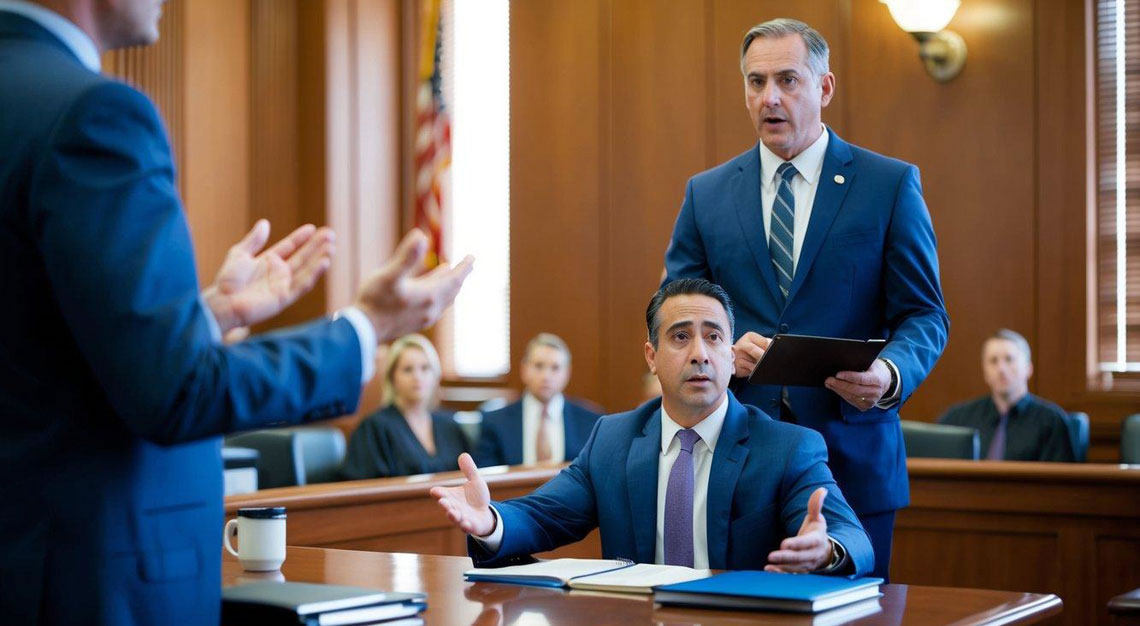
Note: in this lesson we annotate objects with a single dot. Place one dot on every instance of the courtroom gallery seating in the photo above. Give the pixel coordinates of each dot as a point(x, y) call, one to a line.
point(940, 441)
point(294, 456)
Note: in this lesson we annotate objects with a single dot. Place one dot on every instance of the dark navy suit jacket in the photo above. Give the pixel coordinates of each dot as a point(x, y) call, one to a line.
point(112, 393)
point(501, 434)
point(868, 268)
point(763, 473)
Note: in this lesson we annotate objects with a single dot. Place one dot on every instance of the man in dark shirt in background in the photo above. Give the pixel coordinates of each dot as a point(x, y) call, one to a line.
point(1014, 425)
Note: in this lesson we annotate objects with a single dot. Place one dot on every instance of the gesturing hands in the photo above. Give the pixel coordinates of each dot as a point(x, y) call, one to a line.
point(469, 505)
point(809, 550)
point(398, 300)
point(252, 287)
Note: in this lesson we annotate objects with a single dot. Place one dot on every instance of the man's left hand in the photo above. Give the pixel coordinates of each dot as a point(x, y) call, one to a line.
point(862, 390)
point(252, 287)
point(810, 549)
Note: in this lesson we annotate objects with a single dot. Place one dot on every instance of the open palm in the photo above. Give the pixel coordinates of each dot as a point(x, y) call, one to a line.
point(468, 506)
point(252, 287)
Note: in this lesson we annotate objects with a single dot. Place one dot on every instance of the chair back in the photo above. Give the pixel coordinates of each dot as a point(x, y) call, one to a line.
point(1130, 440)
point(940, 441)
point(1078, 424)
point(322, 451)
point(279, 456)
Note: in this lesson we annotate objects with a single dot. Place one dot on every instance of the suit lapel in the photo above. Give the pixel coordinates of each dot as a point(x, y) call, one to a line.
point(641, 481)
point(728, 462)
point(750, 213)
point(514, 449)
point(829, 196)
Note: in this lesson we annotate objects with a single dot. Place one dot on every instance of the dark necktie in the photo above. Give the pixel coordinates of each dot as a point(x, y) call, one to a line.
point(997, 444)
point(781, 238)
point(679, 504)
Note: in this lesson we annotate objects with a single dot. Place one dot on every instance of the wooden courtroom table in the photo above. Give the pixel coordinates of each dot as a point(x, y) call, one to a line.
point(1050, 528)
point(453, 601)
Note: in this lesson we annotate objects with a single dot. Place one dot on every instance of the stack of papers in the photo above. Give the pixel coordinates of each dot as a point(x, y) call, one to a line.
point(617, 575)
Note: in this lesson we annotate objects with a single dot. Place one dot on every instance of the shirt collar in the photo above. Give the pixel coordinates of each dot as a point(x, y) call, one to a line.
point(708, 428)
point(809, 163)
point(554, 407)
point(64, 29)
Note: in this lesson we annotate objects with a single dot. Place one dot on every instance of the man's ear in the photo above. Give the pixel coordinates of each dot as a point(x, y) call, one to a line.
point(650, 357)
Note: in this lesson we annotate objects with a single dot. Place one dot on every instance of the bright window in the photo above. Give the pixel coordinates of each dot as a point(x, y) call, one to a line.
point(476, 62)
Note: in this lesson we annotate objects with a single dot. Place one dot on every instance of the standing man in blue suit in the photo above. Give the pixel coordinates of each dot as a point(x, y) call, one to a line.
point(694, 478)
point(544, 426)
point(114, 384)
point(814, 236)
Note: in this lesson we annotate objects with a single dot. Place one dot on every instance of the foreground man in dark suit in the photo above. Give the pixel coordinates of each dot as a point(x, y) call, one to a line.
point(114, 385)
point(694, 479)
point(814, 236)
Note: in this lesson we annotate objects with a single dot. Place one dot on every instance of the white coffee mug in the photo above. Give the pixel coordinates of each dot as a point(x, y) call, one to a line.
point(261, 538)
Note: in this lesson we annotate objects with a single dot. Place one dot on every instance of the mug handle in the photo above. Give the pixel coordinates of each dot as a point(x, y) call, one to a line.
point(230, 531)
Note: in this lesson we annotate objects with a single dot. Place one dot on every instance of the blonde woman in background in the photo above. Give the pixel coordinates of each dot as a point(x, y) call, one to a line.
point(406, 436)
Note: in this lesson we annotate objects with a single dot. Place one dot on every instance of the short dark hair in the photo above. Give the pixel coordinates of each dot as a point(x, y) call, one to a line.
point(686, 287)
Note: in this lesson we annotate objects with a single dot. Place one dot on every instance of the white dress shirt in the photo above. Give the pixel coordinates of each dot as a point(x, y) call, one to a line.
point(709, 430)
point(532, 413)
point(81, 45)
point(809, 167)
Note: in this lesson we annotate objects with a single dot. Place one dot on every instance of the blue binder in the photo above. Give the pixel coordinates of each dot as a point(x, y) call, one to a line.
point(800, 593)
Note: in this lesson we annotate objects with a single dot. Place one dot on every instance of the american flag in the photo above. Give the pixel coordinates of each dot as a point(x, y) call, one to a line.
point(432, 136)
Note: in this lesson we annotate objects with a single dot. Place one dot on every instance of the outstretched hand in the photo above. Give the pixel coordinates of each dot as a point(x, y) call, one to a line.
point(468, 506)
point(810, 549)
point(252, 287)
point(398, 300)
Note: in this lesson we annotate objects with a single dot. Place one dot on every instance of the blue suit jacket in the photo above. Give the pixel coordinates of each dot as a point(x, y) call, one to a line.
point(868, 268)
point(501, 434)
point(112, 393)
point(763, 473)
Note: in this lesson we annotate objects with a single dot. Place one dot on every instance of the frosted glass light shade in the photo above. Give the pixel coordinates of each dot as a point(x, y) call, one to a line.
point(922, 16)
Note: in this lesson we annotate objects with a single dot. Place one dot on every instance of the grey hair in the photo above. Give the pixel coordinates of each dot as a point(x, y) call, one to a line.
point(818, 51)
point(1013, 337)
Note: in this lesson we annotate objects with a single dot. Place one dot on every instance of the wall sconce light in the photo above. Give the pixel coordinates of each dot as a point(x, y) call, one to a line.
point(942, 51)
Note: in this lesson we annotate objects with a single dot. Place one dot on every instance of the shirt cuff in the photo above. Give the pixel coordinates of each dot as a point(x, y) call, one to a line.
point(493, 541)
point(889, 401)
point(367, 336)
point(839, 561)
point(211, 321)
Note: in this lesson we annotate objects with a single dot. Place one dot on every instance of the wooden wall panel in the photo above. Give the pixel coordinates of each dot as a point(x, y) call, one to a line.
point(653, 148)
point(976, 154)
point(557, 206)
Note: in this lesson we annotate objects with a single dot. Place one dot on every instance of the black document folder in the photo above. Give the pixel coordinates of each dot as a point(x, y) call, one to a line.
point(806, 361)
point(314, 604)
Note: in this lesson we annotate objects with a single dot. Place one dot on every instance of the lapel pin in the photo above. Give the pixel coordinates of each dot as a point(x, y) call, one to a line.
point(839, 179)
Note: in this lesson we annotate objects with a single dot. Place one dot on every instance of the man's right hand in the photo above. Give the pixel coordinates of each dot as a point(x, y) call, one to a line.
point(398, 301)
point(747, 352)
point(469, 505)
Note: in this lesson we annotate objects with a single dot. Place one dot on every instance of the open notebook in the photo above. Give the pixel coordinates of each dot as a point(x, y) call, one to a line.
point(618, 575)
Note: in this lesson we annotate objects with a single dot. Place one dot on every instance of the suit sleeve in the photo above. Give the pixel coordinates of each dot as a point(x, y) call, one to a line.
point(807, 471)
point(915, 310)
point(685, 257)
point(562, 511)
point(118, 255)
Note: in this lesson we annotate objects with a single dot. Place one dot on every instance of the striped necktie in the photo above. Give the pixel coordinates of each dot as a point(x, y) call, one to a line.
point(781, 241)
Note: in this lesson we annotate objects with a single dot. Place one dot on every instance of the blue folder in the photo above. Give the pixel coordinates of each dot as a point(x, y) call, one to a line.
point(802, 593)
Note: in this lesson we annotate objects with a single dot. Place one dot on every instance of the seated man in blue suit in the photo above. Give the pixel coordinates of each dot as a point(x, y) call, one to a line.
point(542, 427)
point(114, 384)
point(694, 479)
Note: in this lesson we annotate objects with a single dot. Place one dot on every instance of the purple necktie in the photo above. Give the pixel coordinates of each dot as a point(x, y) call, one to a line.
point(679, 504)
point(997, 444)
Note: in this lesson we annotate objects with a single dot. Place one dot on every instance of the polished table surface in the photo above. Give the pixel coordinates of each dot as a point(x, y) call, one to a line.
point(453, 601)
